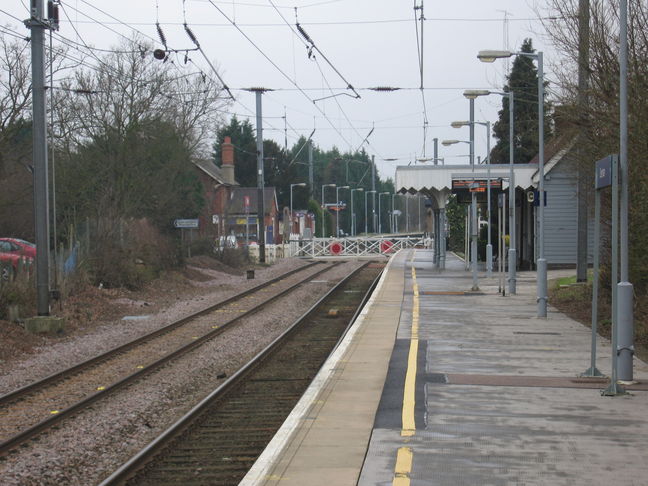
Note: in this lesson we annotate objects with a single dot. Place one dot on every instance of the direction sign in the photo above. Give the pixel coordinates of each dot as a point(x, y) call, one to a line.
point(185, 223)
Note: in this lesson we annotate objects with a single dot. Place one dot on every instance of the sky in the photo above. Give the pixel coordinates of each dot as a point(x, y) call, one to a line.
point(369, 43)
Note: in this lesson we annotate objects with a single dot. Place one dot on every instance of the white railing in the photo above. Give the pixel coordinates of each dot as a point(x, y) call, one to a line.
point(357, 246)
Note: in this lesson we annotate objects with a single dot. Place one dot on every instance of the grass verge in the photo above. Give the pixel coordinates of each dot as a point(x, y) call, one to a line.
point(575, 300)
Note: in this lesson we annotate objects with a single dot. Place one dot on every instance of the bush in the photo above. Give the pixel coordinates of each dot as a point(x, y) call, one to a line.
point(130, 254)
point(235, 257)
point(19, 291)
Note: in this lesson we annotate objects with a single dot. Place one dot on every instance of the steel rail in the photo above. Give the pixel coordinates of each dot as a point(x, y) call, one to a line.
point(148, 453)
point(15, 394)
point(48, 423)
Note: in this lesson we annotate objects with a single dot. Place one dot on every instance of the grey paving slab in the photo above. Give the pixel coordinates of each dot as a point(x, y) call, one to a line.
point(515, 431)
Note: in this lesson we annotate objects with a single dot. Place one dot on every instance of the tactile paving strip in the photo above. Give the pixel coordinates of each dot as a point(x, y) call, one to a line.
point(536, 381)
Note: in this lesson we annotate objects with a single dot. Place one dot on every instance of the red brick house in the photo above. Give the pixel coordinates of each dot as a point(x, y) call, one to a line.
point(225, 209)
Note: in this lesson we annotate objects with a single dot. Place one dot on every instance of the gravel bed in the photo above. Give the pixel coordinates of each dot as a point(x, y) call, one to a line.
point(74, 349)
point(86, 449)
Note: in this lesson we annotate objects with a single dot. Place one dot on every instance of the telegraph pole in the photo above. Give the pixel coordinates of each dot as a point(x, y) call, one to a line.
point(583, 176)
point(37, 24)
point(260, 178)
point(373, 195)
point(311, 181)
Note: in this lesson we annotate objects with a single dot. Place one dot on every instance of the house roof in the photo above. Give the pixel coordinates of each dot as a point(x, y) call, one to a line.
point(237, 199)
point(211, 169)
point(555, 151)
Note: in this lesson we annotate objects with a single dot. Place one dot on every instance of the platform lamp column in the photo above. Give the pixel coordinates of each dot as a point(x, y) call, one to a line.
point(324, 206)
point(512, 254)
point(366, 218)
point(379, 210)
point(447, 143)
point(442, 238)
point(491, 56)
point(353, 215)
point(392, 227)
point(625, 318)
point(337, 204)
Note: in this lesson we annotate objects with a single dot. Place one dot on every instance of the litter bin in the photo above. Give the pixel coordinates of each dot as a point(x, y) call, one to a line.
point(250, 274)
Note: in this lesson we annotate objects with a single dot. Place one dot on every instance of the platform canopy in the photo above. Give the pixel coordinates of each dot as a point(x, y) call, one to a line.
point(438, 178)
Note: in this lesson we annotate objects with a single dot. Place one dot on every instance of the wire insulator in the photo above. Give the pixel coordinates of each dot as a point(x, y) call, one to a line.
point(304, 34)
point(191, 35)
point(161, 35)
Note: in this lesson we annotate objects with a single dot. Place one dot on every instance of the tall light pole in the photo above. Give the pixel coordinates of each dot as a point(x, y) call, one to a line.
point(392, 221)
point(512, 254)
point(353, 218)
point(301, 184)
point(489, 246)
point(625, 319)
point(323, 206)
point(490, 56)
point(337, 203)
point(366, 220)
point(406, 212)
point(473, 214)
point(379, 222)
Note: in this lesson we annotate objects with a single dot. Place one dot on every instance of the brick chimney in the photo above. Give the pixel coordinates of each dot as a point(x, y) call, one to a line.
point(227, 161)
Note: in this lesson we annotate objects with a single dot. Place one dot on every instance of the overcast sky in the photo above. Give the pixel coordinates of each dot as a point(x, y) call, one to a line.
point(369, 42)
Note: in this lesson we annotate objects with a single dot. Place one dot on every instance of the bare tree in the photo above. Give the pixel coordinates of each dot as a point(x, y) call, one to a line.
point(601, 115)
point(129, 87)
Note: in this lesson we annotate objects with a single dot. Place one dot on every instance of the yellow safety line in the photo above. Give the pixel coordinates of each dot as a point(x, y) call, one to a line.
point(409, 393)
point(403, 467)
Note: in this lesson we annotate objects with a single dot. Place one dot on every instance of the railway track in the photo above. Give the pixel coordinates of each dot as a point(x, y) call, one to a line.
point(39, 406)
point(221, 437)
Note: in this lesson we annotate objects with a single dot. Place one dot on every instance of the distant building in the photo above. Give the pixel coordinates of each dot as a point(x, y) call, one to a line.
point(560, 214)
point(228, 206)
point(242, 207)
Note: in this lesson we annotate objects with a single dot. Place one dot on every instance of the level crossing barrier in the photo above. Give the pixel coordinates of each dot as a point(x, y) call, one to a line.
point(353, 246)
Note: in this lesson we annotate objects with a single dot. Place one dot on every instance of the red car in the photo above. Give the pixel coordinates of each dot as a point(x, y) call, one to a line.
point(12, 251)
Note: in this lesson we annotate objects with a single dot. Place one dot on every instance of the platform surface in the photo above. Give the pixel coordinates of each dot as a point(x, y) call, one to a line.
point(437, 385)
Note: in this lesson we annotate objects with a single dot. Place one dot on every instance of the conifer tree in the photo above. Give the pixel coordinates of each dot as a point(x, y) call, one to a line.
point(523, 81)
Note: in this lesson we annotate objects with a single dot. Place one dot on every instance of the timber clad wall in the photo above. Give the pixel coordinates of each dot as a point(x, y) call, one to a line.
point(561, 231)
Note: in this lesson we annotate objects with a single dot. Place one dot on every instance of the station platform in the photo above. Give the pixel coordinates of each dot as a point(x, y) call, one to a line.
point(438, 385)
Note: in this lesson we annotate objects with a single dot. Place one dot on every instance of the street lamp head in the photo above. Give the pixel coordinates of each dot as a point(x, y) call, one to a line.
point(449, 142)
point(383, 193)
point(471, 94)
point(344, 187)
point(300, 184)
point(459, 124)
point(359, 189)
point(490, 55)
point(328, 185)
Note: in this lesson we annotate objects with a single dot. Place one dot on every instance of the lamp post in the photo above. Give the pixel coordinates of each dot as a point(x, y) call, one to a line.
point(625, 318)
point(353, 218)
point(393, 217)
point(323, 206)
point(337, 202)
point(490, 56)
point(512, 255)
point(379, 223)
point(473, 213)
point(487, 124)
point(473, 233)
point(366, 219)
point(301, 184)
